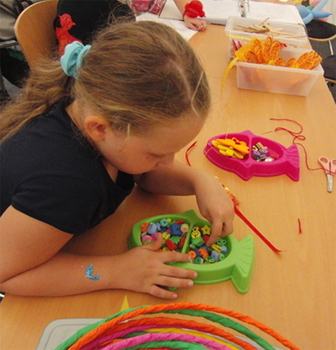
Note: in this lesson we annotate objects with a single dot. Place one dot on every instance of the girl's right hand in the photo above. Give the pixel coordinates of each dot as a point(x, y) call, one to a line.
point(146, 271)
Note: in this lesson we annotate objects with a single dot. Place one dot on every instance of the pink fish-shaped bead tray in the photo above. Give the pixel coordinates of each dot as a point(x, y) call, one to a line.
point(287, 159)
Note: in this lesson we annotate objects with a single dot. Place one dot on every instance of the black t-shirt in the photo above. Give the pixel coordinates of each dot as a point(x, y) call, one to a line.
point(50, 172)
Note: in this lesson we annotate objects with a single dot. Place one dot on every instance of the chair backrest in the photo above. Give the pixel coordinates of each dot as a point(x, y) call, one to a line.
point(34, 31)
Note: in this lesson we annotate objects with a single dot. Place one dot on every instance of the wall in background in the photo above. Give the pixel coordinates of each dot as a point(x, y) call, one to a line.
point(331, 7)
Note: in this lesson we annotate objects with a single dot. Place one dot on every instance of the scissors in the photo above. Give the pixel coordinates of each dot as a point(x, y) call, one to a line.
point(329, 166)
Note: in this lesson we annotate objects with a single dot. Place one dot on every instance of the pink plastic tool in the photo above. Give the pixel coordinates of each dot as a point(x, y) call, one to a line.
point(329, 166)
point(287, 159)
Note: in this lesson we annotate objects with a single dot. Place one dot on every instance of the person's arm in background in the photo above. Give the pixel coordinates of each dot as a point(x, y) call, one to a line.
point(192, 23)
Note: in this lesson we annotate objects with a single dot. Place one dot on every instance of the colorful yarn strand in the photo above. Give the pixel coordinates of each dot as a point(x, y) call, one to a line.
point(175, 340)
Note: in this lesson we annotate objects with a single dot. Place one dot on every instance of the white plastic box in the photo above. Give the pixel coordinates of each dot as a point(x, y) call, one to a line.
point(238, 37)
point(282, 80)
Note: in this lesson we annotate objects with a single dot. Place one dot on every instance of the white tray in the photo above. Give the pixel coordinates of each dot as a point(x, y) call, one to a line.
point(60, 330)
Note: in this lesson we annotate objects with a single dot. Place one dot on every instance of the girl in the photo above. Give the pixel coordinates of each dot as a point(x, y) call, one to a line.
point(73, 145)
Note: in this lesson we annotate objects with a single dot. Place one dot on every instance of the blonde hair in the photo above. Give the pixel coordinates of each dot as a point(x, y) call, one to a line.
point(135, 75)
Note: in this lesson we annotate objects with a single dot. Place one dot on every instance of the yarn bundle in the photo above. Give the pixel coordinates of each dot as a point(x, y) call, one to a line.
point(174, 326)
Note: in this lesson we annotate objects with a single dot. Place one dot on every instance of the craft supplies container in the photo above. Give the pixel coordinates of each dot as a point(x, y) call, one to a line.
point(237, 266)
point(238, 37)
point(281, 80)
point(287, 162)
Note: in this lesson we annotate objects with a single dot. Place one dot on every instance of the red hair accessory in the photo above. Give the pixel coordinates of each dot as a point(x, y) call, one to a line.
point(194, 9)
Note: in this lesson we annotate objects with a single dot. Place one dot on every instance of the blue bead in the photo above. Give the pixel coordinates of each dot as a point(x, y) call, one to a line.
point(224, 249)
point(175, 229)
point(152, 228)
point(215, 255)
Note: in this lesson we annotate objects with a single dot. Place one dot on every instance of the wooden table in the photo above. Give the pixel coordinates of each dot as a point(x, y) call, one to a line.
point(293, 292)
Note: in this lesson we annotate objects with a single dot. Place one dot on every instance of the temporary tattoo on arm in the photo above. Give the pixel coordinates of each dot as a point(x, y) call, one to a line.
point(89, 271)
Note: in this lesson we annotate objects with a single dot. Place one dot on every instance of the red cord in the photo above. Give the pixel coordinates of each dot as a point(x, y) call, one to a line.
point(300, 228)
point(236, 203)
point(186, 155)
point(297, 136)
point(256, 231)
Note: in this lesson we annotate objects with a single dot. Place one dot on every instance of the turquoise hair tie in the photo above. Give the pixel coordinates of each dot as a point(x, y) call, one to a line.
point(73, 56)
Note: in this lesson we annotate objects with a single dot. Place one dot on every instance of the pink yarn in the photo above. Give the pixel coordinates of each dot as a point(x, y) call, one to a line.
point(166, 337)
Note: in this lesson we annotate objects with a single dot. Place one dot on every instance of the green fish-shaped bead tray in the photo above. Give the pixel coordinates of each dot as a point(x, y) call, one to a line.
point(237, 264)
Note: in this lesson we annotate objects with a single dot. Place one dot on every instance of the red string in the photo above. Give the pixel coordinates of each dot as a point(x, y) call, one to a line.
point(236, 203)
point(186, 155)
point(300, 228)
point(256, 231)
point(297, 136)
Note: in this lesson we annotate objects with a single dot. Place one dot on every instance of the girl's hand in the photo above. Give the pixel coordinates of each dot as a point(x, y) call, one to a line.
point(195, 23)
point(216, 206)
point(146, 271)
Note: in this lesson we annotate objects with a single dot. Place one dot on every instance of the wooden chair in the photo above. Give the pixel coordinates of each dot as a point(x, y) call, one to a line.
point(320, 34)
point(4, 96)
point(329, 66)
point(35, 33)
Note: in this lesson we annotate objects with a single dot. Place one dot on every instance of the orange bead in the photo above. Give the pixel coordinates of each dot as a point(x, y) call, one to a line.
point(192, 254)
point(204, 253)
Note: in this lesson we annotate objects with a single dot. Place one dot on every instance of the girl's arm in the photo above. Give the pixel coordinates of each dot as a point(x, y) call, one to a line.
point(192, 23)
point(213, 201)
point(32, 264)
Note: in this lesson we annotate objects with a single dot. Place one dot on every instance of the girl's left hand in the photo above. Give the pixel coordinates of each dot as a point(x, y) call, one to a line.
point(216, 206)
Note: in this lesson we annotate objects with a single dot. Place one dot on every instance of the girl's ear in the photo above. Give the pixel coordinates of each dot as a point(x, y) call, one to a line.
point(96, 127)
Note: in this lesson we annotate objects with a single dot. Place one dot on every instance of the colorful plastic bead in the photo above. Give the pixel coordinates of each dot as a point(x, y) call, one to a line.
point(146, 239)
point(182, 241)
point(203, 253)
point(216, 247)
point(166, 235)
point(206, 230)
point(195, 234)
point(198, 260)
point(223, 249)
point(175, 239)
point(164, 222)
point(144, 227)
point(192, 254)
point(184, 228)
point(215, 256)
point(198, 241)
point(171, 245)
point(221, 241)
point(175, 229)
point(152, 228)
